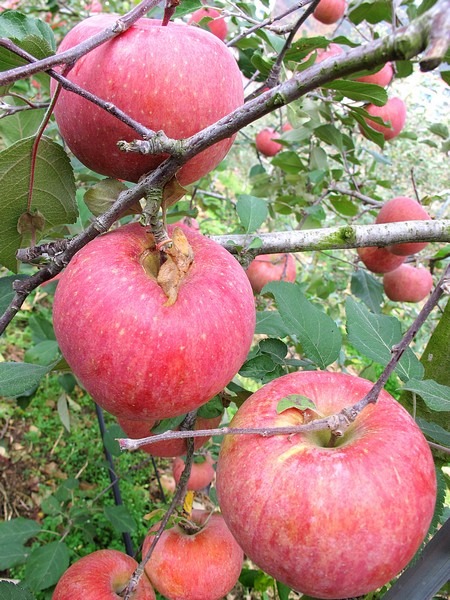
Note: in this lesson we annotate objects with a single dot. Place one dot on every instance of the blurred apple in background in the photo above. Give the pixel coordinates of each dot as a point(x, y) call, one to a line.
point(393, 114)
point(265, 142)
point(408, 284)
point(329, 11)
point(217, 25)
point(271, 267)
point(202, 473)
point(403, 208)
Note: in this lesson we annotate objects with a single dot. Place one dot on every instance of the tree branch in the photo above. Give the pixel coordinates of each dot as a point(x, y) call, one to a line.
point(180, 492)
point(334, 238)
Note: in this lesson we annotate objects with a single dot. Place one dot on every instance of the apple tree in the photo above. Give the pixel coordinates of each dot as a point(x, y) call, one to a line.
point(168, 167)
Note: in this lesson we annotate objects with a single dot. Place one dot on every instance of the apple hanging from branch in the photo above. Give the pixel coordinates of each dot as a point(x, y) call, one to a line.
point(104, 575)
point(329, 517)
point(200, 560)
point(139, 357)
point(176, 78)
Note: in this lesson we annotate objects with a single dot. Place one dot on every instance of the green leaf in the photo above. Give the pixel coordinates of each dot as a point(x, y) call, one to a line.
point(283, 591)
point(295, 401)
point(102, 195)
point(63, 411)
point(439, 129)
point(31, 34)
point(375, 335)
point(120, 518)
point(44, 353)
point(66, 489)
point(46, 565)
point(318, 334)
point(258, 367)
point(252, 212)
point(368, 289)
point(18, 530)
point(360, 115)
point(435, 395)
point(330, 135)
point(269, 322)
point(344, 206)
point(20, 124)
point(186, 7)
point(289, 162)
point(446, 76)
point(360, 92)
point(167, 424)
point(372, 11)
point(434, 431)
point(6, 290)
point(17, 378)
point(213, 408)
point(13, 554)
point(276, 349)
point(41, 329)
point(12, 591)
point(53, 199)
point(110, 438)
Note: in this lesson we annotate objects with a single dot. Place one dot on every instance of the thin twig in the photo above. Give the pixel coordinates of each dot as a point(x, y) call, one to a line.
point(268, 22)
point(180, 492)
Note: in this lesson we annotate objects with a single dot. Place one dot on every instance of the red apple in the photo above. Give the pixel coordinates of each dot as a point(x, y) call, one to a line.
point(218, 26)
point(403, 208)
point(332, 50)
point(137, 429)
point(265, 142)
point(195, 564)
point(383, 77)
point(287, 127)
point(329, 11)
point(202, 473)
point(408, 284)
point(379, 260)
point(393, 113)
point(102, 575)
point(328, 520)
point(94, 7)
point(271, 267)
point(136, 356)
point(177, 78)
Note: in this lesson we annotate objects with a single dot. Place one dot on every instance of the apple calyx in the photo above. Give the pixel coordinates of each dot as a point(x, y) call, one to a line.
point(179, 258)
point(168, 263)
point(190, 526)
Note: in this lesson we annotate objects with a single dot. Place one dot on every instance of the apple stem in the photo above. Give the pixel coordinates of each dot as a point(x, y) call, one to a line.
point(180, 492)
point(169, 10)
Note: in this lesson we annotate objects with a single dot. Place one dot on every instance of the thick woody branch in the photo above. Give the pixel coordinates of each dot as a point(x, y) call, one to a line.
point(334, 238)
point(403, 44)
